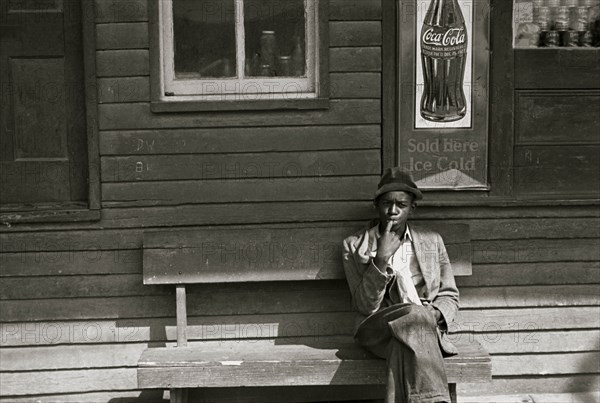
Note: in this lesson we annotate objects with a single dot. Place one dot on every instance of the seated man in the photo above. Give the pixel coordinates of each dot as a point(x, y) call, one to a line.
point(403, 288)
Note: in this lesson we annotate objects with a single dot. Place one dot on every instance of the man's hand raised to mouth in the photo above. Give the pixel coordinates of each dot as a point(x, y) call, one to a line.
point(387, 245)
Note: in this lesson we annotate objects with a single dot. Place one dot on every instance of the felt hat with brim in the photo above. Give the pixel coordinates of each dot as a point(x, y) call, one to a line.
point(396, 179)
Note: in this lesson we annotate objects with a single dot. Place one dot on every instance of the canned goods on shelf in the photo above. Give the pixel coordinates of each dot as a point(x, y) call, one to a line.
point(569, 38)
point(541, 12)
point(265, 70)
point(585, 38)
point(268, 47)
point(285, 66)
point(541, 17)
point(543, 25)
point(561, 18)
point(550, 38)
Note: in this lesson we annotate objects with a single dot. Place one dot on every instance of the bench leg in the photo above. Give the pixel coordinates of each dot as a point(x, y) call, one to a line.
point(179, 395)
point(452, 388)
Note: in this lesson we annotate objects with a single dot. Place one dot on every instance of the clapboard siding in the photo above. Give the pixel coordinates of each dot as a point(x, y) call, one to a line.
point(510, 325)
point(542, 117)
point(132, 35)
point(355, 59)
point(545, 388)
point(556, 69)
point(123, 89)
point(42, 287)
point(137, 89)
point(122, 63)
point(121, 11)
point(129, 262)
point(137, 10)
point(94, 355)
point(492, 247)
point(533, 273)
point(71, 262)
point(137, 396)
point(269, 213)
point(549, 170)
point(135, 116)
point(241, 139)
point(512, 385)
point(291, 189)
point(305, 299)
point(130, 285)
point(83, 380)
point(75, 315)
point(240, 166)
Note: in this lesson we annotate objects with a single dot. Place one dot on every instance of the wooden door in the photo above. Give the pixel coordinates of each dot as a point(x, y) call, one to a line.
point(43, 152)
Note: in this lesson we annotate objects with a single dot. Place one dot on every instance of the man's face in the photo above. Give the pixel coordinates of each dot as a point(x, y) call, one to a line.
point(395, 207)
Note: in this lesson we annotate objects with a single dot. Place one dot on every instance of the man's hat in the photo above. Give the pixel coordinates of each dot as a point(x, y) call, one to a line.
point(396, 179)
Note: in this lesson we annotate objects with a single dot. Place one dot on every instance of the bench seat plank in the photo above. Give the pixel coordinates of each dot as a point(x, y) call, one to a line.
point(326, 361)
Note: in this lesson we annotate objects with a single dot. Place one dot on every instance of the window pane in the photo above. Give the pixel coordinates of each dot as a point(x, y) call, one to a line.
point(204, 38)
point(556, 23)
point(275, 33)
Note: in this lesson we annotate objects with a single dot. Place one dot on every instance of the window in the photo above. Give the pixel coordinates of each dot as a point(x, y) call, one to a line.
point(555, 23)
point(239, 50)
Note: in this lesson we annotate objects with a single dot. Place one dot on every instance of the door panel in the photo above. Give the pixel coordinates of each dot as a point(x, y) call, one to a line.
point(43, 149)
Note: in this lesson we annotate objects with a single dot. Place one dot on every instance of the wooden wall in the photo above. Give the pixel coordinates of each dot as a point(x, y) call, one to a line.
point(75, 315)
point(557, 133)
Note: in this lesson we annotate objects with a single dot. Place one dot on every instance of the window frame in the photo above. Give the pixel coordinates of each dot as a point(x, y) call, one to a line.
point(74, 211)
point(160, 102)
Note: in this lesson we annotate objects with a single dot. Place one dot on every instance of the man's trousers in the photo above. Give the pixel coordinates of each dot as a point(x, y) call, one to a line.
point(406, 336)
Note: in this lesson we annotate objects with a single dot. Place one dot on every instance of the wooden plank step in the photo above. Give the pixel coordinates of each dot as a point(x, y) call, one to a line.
point(577, 397)
point(323, 362)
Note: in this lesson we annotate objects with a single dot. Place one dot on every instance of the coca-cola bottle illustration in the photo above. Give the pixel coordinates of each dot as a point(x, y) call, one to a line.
point(443, 58)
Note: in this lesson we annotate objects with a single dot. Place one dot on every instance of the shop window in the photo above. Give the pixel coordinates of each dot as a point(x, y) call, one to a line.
point(239, 50)
point(556, 23)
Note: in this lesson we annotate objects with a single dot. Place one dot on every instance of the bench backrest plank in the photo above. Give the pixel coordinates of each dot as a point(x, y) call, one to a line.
point(290, 253)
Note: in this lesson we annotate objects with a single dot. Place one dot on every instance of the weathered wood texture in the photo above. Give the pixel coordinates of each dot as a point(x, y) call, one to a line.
point(76, 317)
point(535, 221)
point(290, 298)
point(220, 256)
point(546, 117)
point(137, 89)
point(123, 353)
point(243, 139)
point(511, 326)
point(234, 364)
point(552, 170)
point(138, 116)
point(556, 69)
point(241, 166)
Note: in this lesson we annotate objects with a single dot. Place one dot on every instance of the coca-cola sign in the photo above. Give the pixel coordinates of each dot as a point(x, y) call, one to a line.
point(448, 37)
point(442, 136)
point(443, 74)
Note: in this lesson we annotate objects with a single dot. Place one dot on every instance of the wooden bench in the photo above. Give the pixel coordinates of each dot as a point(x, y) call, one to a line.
point(290, 253)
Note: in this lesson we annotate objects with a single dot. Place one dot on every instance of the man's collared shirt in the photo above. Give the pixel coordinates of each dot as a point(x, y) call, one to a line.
point(404, 260)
